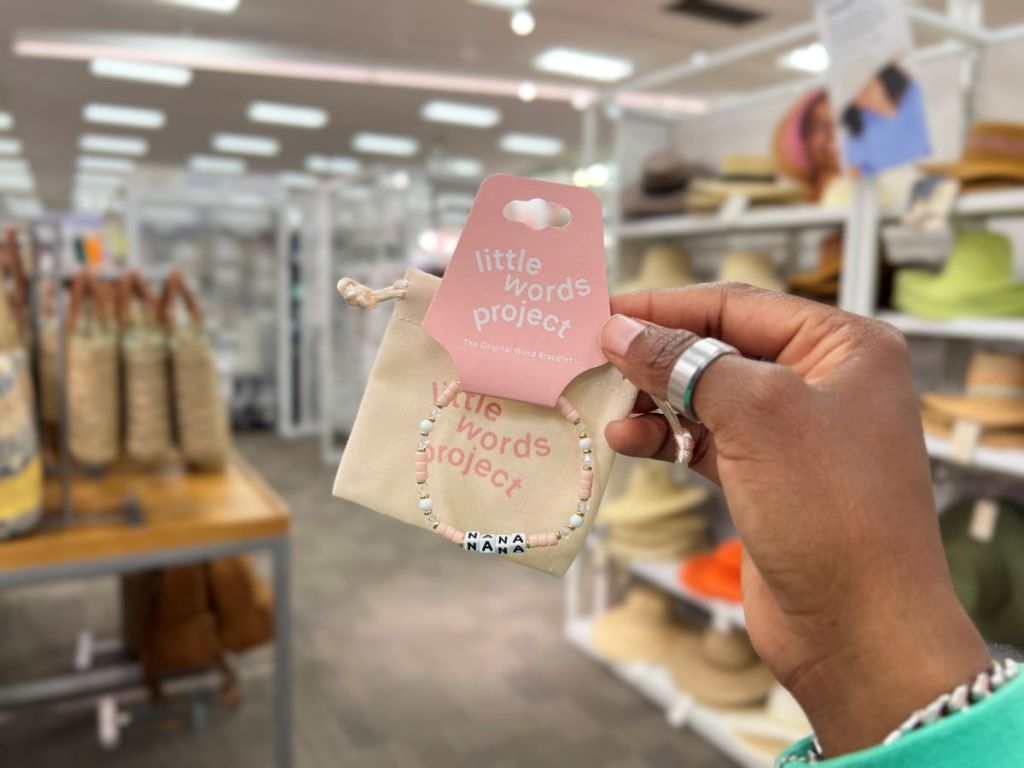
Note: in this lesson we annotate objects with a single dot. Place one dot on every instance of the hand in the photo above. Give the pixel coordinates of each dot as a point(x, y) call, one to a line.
point(821, 458)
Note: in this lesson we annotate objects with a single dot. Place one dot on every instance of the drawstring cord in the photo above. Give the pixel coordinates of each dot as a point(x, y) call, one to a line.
point(358, 295)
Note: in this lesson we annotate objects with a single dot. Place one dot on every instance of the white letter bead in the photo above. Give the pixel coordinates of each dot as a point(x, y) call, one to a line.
point(494, 544)
point(586, 443)
point(426, 425)
point(426, 504)
point(576, 521)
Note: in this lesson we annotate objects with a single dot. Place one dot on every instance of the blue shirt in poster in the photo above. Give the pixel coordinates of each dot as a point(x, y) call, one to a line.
point(886, 142)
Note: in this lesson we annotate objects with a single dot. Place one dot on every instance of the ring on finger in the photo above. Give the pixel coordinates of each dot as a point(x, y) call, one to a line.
point(688, 369)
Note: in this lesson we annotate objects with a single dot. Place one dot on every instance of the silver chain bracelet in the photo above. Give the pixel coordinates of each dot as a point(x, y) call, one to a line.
point(960, 700)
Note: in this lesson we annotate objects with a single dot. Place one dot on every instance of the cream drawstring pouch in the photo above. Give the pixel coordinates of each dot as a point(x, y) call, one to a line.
point(496, 465)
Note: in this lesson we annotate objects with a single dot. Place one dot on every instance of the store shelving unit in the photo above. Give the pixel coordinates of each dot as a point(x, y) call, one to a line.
point(793, 217)
point(655, 683)
point(860, 223)
point(1006, 462)
point(665, 576)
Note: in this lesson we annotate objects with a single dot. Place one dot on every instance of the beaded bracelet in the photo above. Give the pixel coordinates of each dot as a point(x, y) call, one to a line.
point(511, 543)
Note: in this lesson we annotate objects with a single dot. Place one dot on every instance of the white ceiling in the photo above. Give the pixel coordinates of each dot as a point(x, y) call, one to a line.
point(46, 96)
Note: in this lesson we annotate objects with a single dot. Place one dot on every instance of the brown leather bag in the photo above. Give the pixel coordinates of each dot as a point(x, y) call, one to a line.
point(183, 619)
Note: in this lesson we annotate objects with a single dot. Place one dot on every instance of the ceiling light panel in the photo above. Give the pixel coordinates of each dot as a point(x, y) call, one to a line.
point(505, 5)
point(6, 121)
point(583, 64)
point(98, 180)
point(461, 167)
point(461, 113)
point(113, 145)
point(210, 6)
point(26, 207)
point(141, 72)
point(291, 115)
point(385, 144)
point(811, 58)
point(10, 147)
point(532, 144)
point(294, 180)
point(244, 144)
point(216, 164)
point(13, 165)
point(106, 164)
point(17, 181)
point(333, 165)
point(129, 117)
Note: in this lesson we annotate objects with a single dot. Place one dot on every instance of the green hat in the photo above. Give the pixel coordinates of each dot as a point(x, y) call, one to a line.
point(988, 575)
point(976, 281)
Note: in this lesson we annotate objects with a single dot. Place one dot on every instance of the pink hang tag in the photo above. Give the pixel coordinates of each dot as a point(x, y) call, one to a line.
point(523, 301)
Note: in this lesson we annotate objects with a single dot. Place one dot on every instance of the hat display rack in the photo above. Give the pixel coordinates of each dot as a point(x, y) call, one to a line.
point(683, 245)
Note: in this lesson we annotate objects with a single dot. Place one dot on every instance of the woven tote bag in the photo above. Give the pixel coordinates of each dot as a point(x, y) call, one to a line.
point(199, 409)
point(93, 381)
point(147, 401)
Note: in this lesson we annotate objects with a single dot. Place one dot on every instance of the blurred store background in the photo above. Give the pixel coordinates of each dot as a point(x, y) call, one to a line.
point(183, 182)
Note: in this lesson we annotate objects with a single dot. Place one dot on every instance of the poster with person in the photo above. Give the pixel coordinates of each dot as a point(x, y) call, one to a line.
point(878, 105)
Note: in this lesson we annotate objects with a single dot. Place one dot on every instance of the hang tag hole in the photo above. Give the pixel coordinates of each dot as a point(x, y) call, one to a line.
point(538, 214)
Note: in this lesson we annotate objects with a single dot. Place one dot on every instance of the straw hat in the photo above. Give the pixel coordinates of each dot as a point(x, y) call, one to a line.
point(641, 629)
point(662, 187)
point(769, 731)
point(751, 267)
point(669, 548)
point(655, 531)
point(993, 393)
point(716, 574)
point(662, 266)
point(993, 151)
point(941, 425)
point(707, 670)
point(750, 176)
point(650, 495)
point(824, 278)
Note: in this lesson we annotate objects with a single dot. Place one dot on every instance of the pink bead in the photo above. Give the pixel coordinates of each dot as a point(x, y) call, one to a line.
point(532, 540)
point(421, 461)
point(442, 530)
point(421, 476)
point(454, 535)
point(585, 494)
point(552, 539)
point(567, 410)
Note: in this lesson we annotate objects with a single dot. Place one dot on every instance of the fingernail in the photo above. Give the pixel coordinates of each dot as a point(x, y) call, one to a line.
point(618, 333)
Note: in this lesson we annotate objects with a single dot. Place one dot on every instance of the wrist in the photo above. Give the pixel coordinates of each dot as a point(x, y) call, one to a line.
point(866, 685)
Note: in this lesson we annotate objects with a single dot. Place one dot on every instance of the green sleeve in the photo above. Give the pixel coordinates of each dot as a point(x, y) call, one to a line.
point(989, 734)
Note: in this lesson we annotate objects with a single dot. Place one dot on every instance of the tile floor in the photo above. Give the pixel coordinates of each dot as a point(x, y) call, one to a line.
point(405, 655)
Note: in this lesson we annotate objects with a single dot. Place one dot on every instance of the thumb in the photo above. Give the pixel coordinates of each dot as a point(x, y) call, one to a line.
point(646, 353)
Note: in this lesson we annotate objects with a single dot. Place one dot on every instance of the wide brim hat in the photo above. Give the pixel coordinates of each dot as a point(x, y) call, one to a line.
point(993, 393)
point(629, 508)
point(941, 426)
point(988, 574)
point(770, 730)
point(662, 187)
point(669, 550)
point(828, 269)
point(716, 574)
point(640, 629)
point(714, 685)
point(714, 192)
point(751, 267)
point(661, 266)
point(993, 412)
point(659, 529)
point(992, 151)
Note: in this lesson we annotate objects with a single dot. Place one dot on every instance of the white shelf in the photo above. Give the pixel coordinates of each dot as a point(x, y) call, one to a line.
point(991, 459)
point(755, 219)
point(655, 682)
point(984, 328)
point(1002, 201)
point(664, 575)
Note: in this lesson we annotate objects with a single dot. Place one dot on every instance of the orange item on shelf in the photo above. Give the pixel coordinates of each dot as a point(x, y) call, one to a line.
point(716, 574)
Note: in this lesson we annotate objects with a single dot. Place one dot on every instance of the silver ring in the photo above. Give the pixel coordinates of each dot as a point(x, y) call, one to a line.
point(687, 372)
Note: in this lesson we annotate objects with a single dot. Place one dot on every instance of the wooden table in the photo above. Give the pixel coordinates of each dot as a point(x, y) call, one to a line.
point(185, 518)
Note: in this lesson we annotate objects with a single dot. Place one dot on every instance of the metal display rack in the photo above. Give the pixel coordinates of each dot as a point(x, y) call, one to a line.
point(968, 39)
